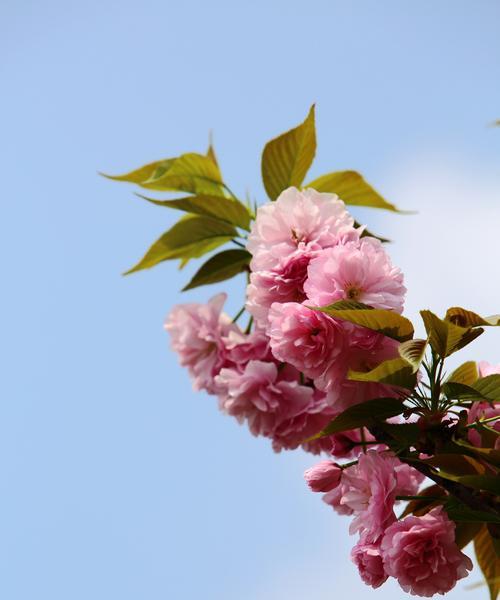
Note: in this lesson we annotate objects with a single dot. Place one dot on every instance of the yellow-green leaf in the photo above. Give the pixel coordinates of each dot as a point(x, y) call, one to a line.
point(351, 187)
point(488, 561)
point(398, 372)
point(467, 318)
point(413, 351)
point(143, 173)
point(287, 158)
point(444, 336)
point(191, 237)
point(224, 209)
point(386, 322)
point(466, 373)
point(193, 173)
point(220, 267)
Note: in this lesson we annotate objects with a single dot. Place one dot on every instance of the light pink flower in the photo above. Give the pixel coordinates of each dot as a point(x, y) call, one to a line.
point(360, 271)
point(197, 332)
point(334, 499)
point(369, 490)
point(420, 552)
point(323, 477)
point(304, 220)
point(363, 351)
point(485, 369)
point(368, 559)
point(305, 338)
point(292, 432)
point(241, 347)
point(284, 283)
point(262, 395)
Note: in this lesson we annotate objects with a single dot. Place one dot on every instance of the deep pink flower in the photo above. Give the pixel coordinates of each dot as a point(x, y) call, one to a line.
point(369, 490)
point(323, 477)
point(304, 220)
point(197, 332)
point(361, 271)
point(420, 552)
point(368, 559)
point(284, 283)
point(262, 395)
point(305, 338)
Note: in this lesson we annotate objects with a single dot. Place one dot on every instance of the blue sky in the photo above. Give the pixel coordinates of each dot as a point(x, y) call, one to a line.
point(117, 481)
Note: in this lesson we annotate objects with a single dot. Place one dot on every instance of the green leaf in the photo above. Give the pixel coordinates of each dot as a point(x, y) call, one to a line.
point(483, 389)
point(287, 158)
point(445, 337)
point(398, 372)
point(193, 173)
point(488, 454)
point(352, 189)
point(217, 207)
point(488, 561)
point(405, 434)
point(143, 173)
point(459, 512)
point(365, 414)
point(466, 373)
point(455, 464)
point(413, 351)
point(467, 318)
point(191, 237)
point(386, 322)
point(465, 532)
point(489, 387)
point(477, 482)
point(220, 267)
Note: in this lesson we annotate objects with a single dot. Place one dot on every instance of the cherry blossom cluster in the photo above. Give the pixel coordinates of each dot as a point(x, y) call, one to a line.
point(288, 377)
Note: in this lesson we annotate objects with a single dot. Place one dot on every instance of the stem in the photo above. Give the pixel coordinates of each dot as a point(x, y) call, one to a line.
point(239, 244)
point(240, 312)
point(481, 422)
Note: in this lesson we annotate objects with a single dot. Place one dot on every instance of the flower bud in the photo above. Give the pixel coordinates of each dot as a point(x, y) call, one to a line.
point(323, 477)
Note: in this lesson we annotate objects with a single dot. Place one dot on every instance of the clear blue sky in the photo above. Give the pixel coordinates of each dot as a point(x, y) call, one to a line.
point(117, 481)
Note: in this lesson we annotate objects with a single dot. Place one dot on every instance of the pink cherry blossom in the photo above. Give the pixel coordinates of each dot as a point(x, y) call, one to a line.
point(408, 479)
point(304, 220)
point(294, 431)
point(368, 559)
point(284, 283)
point(241, 347)
point(478, 412)
point(485, 369)
point(323, 477)
point(420, 552)
point(262, 396)
point(197, 332)
point(369, 490)
point(361, 271)
point(334, 499)
point(305, 338)
point(363, 350)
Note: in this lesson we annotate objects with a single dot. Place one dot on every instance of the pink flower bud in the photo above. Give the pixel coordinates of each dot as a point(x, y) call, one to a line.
point(323, 477)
